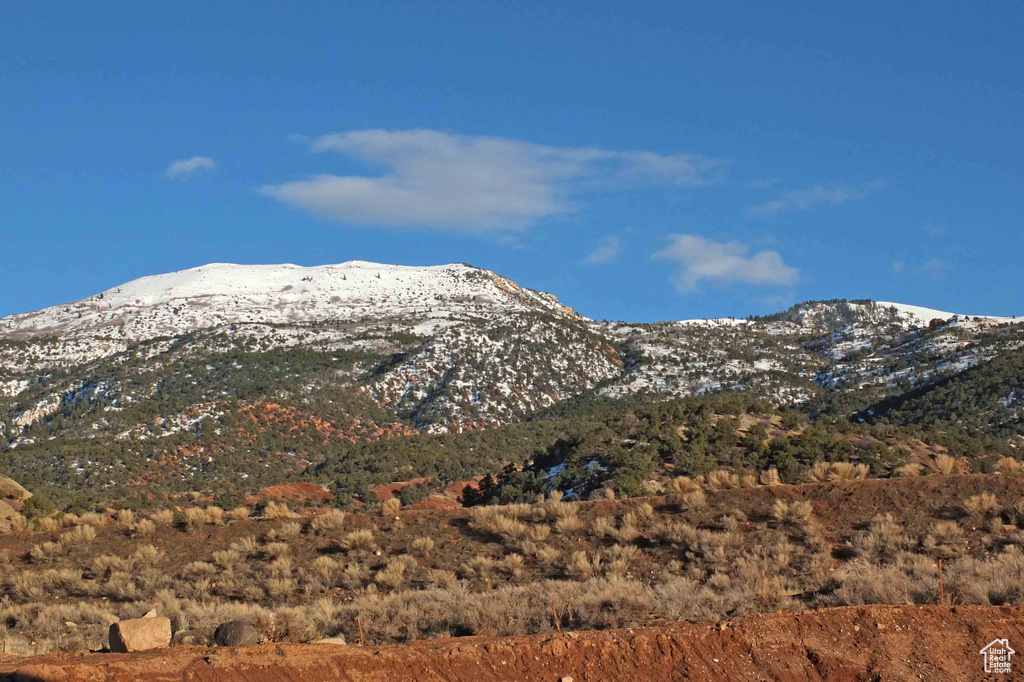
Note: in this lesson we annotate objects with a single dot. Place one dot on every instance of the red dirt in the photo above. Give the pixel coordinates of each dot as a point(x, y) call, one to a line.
point(835, 645)
point(295, 492)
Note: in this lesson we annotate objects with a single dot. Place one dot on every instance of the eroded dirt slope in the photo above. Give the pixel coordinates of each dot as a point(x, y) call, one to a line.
point(851, 643)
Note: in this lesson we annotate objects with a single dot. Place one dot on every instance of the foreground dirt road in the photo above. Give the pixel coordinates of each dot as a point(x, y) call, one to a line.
point(851, 643)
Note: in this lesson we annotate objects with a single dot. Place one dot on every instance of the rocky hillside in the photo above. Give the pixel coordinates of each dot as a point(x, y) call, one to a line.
point(257, 373)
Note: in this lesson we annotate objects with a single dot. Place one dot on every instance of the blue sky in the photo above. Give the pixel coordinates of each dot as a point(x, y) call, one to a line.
point(641, 161)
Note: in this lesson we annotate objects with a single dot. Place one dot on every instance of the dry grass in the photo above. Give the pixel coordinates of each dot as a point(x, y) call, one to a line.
point(1009, 466)
point(390, 506)
point(327, 520)
point(358, 541)
point(836, 471)
point(278, 510)
point(983, 505)
point(912, 469)
point(78, 535)
point(423, 546)
point(944, 464)
point(238, 514)
point(162, 517)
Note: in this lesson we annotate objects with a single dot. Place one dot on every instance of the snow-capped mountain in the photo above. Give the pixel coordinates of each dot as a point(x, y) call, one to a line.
point(220, 294)
point(436, 349)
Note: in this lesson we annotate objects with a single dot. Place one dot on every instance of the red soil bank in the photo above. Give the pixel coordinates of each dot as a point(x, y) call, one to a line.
point(837, 645)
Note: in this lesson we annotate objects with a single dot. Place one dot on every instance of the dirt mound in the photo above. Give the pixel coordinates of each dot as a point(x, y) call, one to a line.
point(852, 643)
point(293, 492)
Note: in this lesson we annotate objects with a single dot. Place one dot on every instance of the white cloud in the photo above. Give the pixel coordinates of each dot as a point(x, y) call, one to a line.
point(936, 267)
point(802, 199)
point(699, 258)
point(462, 182)
point(898, 266)
point(186, 167)
point(607, 251)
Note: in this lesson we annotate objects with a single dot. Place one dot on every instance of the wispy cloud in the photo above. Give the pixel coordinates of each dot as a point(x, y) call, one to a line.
point(186, 167)
point(608, 250)
point(699, 258)
point(835, 194)
point(936, 267)
point(461, 182)
point(935, 230)
point(898, 266)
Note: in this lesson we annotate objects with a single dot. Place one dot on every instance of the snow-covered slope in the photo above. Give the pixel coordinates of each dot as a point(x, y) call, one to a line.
point(222, 293)
point(922, 316)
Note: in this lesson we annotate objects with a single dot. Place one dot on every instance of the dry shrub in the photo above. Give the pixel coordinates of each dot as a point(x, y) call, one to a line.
point(555, 495)
point(47, 524)
point(288, 531)
point(327, 520)
point(848, 471)
point(478, 570)
point(983, 504)
point(836, 471)
point(278, 510)
point(280, 588)
point(93, 519)
point(227, 558)
point(247, 545)
point(79, 535)
point(569, 526)
point(682, 484)
point(238, 514)
point(198, 569)
point(818, 473)
point(868, 584)
point(695, 500)
point(357, 540)
point(162, 516)
point(394, 575)
point(722, 480)
point(195, 517)
point(214, 515)
point(281, 567)
point(795, 514)
point(325, 568)
point(354, 576)
point(125, 518)
point(602, 526)
point(946, 539)
point(944, 464)
point(912, 469)
point(390, 506)
point(644, 513)
point(423, 546)
point(770, 477)
point(581, 566)
point(1009, 466)
point(145, 527)
point(277, 549)
point(147, 556)
point(883, 541)
point(46, 551)
point(442, 579)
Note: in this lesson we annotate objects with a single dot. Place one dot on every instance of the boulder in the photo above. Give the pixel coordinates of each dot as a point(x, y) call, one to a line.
point(236, 633)
point(140, 634)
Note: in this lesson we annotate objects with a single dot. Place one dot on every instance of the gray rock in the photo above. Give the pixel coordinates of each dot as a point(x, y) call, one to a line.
point(236, 633)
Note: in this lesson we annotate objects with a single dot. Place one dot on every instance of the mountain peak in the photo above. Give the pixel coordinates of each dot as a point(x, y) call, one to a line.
point(218, 294)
